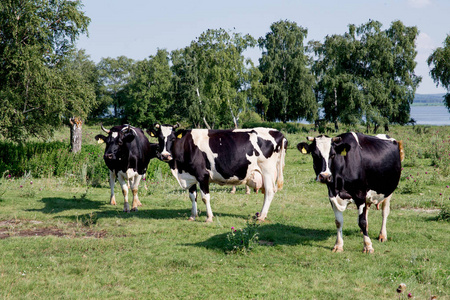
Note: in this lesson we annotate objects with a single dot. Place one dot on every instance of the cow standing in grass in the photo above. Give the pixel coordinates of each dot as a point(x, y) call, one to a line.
point(360, 168)
point(222, 156)
point(127, 155)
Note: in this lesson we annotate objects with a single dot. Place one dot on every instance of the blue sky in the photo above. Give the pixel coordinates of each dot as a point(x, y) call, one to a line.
point(137, 28)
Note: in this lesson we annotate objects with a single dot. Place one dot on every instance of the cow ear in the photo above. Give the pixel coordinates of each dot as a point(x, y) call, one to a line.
point(100, 138)
point(342, 149)
point(151, 132)
point(303, 148)
point(180, 133)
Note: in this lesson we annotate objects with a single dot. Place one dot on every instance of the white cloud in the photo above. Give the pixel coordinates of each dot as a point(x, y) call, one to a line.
point(419, 3)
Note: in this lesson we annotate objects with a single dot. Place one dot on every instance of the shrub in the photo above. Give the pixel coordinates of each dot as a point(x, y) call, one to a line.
point(244, 240)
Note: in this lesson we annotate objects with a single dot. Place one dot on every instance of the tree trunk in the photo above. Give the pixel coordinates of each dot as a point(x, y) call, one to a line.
point(75, 134)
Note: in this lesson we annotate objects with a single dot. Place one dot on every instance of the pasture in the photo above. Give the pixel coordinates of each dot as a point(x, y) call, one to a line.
point(60, 238)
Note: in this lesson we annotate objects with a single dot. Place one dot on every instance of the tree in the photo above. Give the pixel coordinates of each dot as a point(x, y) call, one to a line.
point(368, 73)
point(214, 77)
point(80, 79)
point(35, 35)
point(148, 93)
point(285, 73)
point(440, 60)
point(114, 75)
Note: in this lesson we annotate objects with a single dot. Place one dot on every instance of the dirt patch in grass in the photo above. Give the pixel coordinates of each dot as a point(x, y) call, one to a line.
point(28, 228)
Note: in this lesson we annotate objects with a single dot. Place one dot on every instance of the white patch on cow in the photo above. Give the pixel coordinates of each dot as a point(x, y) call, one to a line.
point(338, 204)
point(323, 144)
point(356, 138)
point(360, 209)
point(384, 137)
point(114, 134)
point(185, 180)
point(166, 131)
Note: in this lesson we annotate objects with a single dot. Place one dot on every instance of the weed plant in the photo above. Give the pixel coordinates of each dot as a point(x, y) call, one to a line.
point(244, 240)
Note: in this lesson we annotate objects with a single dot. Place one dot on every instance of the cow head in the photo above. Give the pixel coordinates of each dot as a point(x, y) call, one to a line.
point(116, 141)
point(324, 151)
point(166, 136)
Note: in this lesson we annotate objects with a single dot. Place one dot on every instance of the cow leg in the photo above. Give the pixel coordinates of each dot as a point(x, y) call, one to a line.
point(112, 181)
point(193, 197)
point(362, 222)
point(386, 209)
point(134, 189)
point(269, 183)
point(247, 190)
point(204, 189)
point(339, 220)
point(233, 190)
point(124, 184)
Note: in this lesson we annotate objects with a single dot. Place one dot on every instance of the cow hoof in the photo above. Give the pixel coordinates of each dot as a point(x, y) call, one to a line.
point(368, 250)
point(337, 249)
point(382, 238)
point(127, 211)
point(134, 209)
point(112, 203)
point(191, 219)
point(209, 220)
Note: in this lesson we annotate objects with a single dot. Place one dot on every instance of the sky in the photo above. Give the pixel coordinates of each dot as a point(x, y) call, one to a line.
point(138, 28)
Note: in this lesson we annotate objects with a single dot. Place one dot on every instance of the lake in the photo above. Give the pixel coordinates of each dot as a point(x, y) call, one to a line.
point(430, 115)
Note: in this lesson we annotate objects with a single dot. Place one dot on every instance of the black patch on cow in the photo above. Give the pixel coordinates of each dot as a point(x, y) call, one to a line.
point(266, 147)
point(232, 149)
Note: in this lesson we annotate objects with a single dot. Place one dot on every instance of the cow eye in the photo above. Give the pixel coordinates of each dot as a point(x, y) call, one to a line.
point(332, 156)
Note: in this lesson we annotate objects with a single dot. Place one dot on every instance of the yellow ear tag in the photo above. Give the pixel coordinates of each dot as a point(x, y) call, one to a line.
point(180, 136)
point(100, 141)
point(304, 150)
point(343, 153)
point(152, 134)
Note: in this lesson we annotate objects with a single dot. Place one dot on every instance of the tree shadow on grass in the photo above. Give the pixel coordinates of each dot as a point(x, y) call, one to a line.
point(273, 235)
point(56, 205)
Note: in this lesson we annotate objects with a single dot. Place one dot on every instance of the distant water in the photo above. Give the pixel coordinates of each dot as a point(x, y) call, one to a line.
point(430, 115)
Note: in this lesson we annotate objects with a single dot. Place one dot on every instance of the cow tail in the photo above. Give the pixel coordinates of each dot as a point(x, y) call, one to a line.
point(280, 164)
point(401, 150)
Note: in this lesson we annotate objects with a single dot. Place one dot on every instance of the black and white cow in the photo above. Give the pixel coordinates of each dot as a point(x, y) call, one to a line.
point(360, 168)
point(127, 155)
point(231, 157)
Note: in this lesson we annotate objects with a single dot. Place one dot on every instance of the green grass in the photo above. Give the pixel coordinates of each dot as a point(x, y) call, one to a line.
point(61, 239)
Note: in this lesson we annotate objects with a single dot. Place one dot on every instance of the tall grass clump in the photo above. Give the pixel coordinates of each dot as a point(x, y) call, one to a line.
point(40, 159)
point(244, 240)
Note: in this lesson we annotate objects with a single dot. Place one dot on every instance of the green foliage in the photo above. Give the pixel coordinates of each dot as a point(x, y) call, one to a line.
point(148, 92)
point(53, 159)
point(367, 73)
point(213, 82)
point(440, 72)
point(114, 74)
point(35, 87)
point(286, 74)
point(244, 240)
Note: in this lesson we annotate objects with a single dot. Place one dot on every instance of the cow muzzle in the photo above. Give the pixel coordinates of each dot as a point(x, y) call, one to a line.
point(324, 178)
point(166, 157)
point(109, 156)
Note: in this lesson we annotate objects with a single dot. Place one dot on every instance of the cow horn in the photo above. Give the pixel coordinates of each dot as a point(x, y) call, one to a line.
point(104, 129)
point(310, 138)
point(156, 125)
point(176, 125)
point(126, 128)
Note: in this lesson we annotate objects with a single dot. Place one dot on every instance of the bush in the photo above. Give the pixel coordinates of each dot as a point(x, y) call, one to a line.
point(42, 159)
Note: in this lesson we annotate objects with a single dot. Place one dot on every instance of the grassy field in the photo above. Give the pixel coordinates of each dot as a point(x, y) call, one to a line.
point(60, 239)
